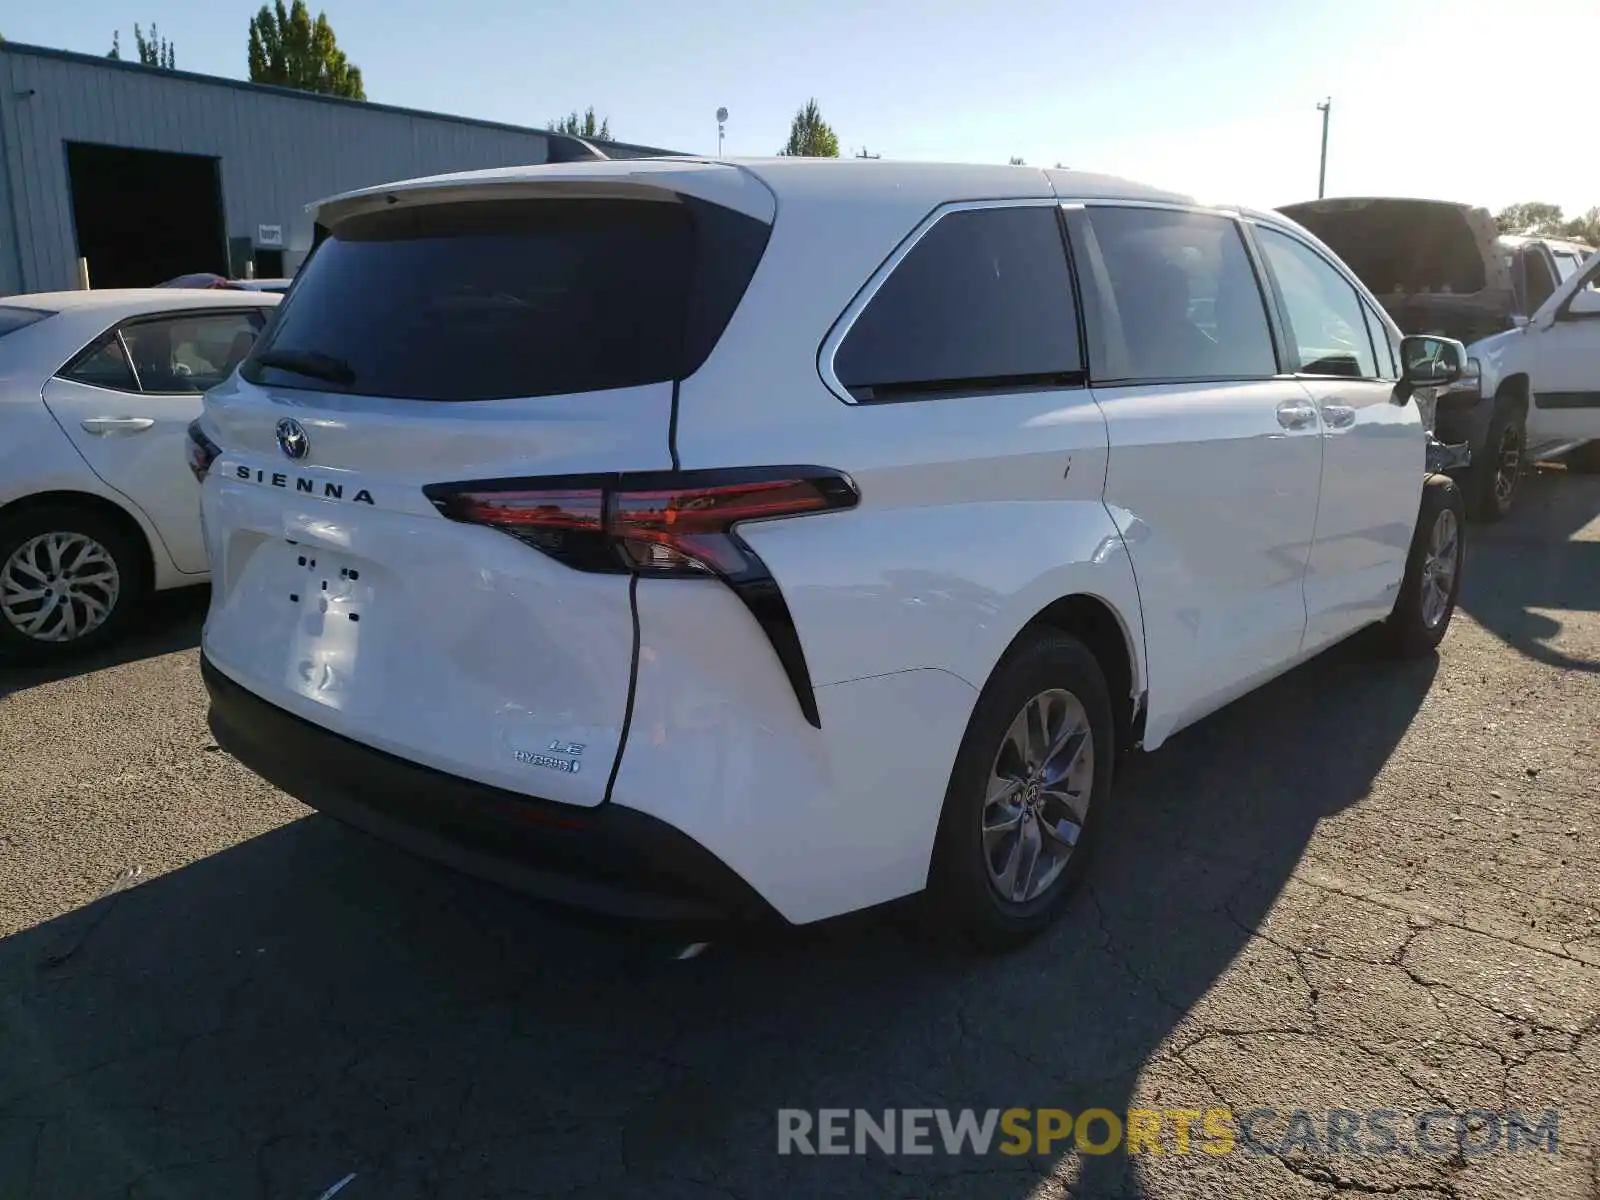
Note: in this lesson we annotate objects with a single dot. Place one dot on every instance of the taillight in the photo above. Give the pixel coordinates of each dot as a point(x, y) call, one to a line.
point(656, 523)
point(663, 524)
point(200, 450)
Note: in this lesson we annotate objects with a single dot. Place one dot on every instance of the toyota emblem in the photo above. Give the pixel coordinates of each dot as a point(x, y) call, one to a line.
point(292, 439)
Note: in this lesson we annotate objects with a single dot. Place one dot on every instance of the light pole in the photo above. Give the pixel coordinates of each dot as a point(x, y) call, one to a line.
point(1322, 170)
point(722, 119)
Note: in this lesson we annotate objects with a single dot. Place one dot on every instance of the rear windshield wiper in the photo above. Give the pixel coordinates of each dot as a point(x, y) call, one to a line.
point(313, 364)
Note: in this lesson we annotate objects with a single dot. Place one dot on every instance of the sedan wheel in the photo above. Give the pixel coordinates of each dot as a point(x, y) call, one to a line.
point(70, 577)
point(59, 587)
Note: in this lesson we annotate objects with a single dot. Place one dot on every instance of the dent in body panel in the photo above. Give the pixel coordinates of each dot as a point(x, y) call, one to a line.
point(718, 749)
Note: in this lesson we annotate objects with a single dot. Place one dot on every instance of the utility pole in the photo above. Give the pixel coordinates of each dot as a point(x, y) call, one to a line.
point(1322, 170)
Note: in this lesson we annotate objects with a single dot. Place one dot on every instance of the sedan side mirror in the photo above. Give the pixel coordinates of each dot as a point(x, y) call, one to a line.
point(1429, 362)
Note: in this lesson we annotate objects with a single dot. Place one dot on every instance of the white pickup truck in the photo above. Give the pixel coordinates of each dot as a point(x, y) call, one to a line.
point(1527, 308)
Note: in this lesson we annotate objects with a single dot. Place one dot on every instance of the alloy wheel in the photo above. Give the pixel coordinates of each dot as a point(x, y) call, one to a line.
point(59, 587)
point(1038, 797)
point(1439, 568)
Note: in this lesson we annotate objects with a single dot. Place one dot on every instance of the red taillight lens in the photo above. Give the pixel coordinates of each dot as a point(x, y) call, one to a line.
point(687, 528)
point(200, 451)
point(655, 523)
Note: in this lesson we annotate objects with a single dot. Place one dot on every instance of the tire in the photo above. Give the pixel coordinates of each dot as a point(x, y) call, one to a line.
point(964, 902)
point(1432, 582)
point(97, 557)
point(1493, 478)
point(1585, 460)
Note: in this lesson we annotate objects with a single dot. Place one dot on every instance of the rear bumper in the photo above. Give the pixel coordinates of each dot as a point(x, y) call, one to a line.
point(611, 859)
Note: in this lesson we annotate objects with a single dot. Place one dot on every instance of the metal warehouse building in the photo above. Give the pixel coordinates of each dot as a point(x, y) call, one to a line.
point(148, 174)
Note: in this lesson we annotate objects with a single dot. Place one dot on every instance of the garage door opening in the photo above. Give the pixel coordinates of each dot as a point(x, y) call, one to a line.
point(145, 216)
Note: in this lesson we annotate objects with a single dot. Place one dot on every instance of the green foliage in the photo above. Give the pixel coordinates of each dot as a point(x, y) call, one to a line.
point(154, 51)
point(810, 136)
point(289, 49)
point(1537, 219)
point(584, 126)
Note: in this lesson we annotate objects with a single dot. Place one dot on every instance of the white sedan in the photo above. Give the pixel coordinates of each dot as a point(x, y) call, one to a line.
point(97, 508)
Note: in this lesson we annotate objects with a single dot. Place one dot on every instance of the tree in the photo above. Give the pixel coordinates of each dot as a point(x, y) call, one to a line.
point(583, 126)
point(289, 49)
point(1536, 219)
point(1585, 229)
point(154, 51)
point(1530, 219)
point(1016, 161)
point(810, 136)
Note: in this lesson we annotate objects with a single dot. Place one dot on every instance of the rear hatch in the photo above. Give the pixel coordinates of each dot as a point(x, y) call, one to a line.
point(471, 329)
point(1436, 267)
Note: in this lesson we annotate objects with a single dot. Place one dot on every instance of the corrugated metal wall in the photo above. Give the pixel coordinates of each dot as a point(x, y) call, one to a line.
point(278, 151)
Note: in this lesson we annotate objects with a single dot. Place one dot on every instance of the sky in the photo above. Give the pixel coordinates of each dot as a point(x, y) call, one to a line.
point(1217, 99)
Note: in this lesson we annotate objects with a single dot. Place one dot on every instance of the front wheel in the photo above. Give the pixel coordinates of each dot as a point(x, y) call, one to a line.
point(1030, 781)
point(1493, 478)
point(1432, 581)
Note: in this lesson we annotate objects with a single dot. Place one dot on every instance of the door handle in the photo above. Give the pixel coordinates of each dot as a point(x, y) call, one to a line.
point(1296, 414)
point(116, 426)
point(1338, 416)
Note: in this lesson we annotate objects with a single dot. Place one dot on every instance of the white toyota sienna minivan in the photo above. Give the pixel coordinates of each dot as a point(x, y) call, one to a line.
point(709, 539)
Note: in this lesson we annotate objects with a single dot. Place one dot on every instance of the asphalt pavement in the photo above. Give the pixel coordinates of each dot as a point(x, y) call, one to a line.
point(1367, 887)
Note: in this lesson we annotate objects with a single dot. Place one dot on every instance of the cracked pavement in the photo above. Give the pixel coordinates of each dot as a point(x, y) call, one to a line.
point(1366, 886)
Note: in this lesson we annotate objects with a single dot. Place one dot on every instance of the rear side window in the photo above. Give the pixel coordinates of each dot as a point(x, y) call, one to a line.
point(1184, 294)
point(104, 364)
point(983, 302)
point(488, 300)
point(13, 319)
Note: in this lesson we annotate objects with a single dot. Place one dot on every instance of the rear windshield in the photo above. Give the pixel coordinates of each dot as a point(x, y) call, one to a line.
point(486, 300)
point(13, 319)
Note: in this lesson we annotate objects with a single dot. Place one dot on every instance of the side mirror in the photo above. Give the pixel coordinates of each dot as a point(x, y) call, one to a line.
point(1584, 303)
point(1430, 362)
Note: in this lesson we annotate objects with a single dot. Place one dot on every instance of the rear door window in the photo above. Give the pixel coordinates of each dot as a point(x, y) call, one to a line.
point(485, 300)
point(981, 304)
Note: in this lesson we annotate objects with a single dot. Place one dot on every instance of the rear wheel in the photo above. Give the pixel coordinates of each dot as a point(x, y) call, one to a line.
point(69, 577)
point(1585, 460)
point(1432, 581)
point(1494, 475)
point(1030, 781)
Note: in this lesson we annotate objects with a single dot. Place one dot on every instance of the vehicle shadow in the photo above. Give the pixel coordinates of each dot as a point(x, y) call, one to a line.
point(170, 622)
point(312, 1004)
point(1531, 562)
